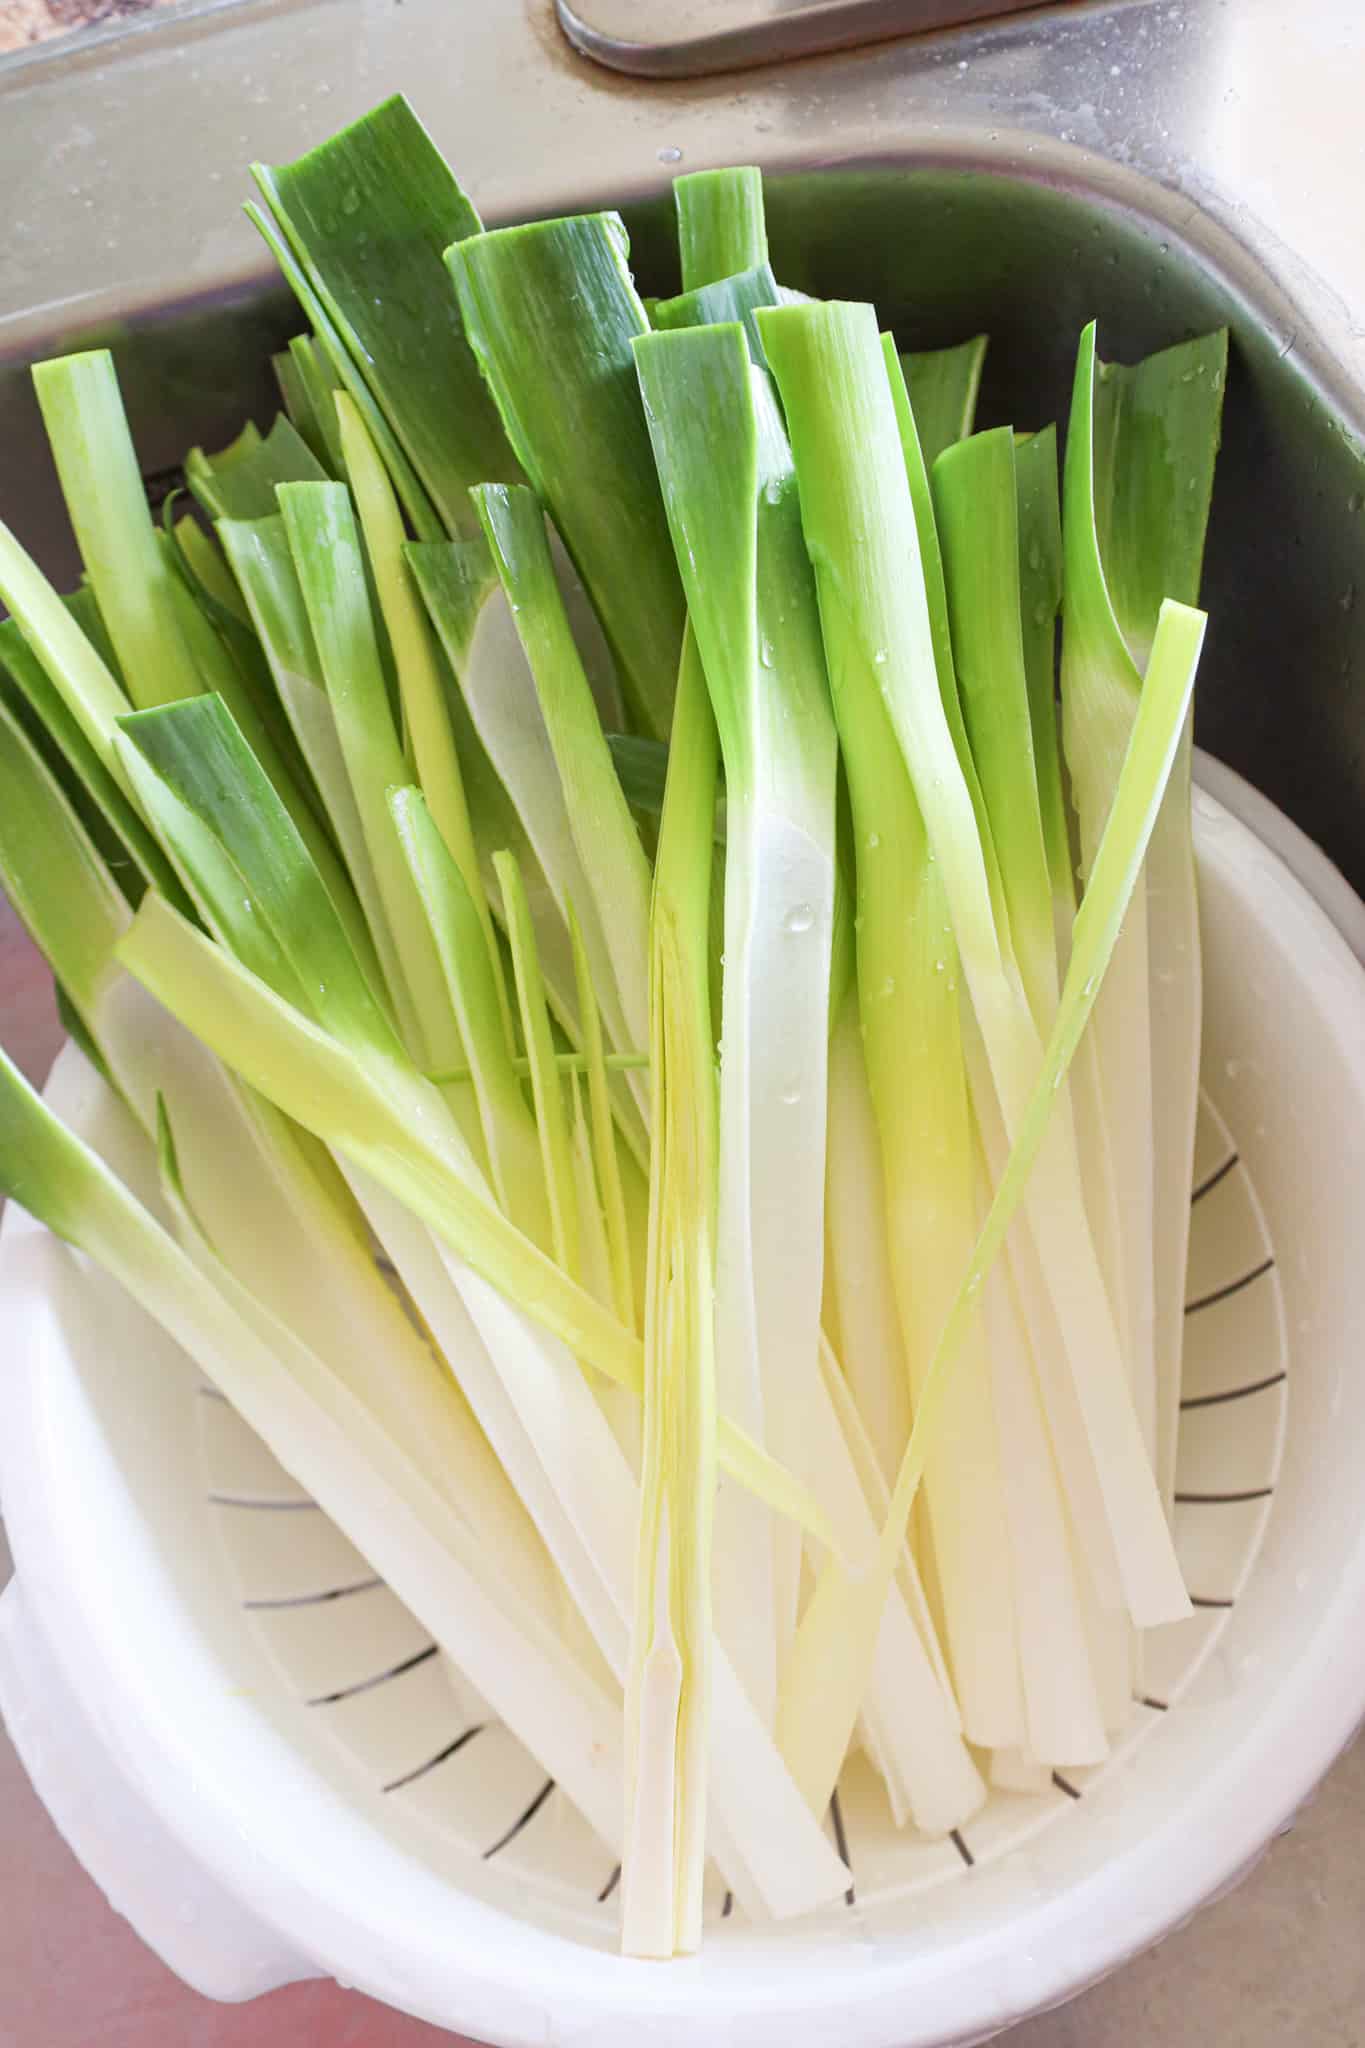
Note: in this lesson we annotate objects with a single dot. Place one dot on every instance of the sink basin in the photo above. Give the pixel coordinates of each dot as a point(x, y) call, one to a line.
point(1019, 178)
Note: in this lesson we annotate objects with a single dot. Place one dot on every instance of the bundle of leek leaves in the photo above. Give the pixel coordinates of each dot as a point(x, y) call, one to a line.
point(586, 809)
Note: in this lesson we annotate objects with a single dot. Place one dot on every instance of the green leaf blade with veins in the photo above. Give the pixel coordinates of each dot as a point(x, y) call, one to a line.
point(321, 383)
point(459, 586)
point(510, 1133)
point(944, 385)
point(613, 861)
point(547, 1091)
point(735, 297)
point(422, 686)
point(258, 551)
point(1040, 600)
point(976, 509)
point(325, 541)
point(102, 798)
point(132, 579)
point(721, 226)
point(296, 396)
point(551, 313)
point(369, 214)
point(239, 481)
point(72, 663)
point(262, 893)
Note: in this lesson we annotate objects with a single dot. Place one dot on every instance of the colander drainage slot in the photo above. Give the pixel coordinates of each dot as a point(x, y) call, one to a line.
point(524, 1820)
point(348, 1692)
point(313, 1599)
point(836, 1814)
point(237, 1500)
point(1274, 1379)
point(1233, 1287)
point(1223, 1500)
point(1206, 1187)
point(451, 1748)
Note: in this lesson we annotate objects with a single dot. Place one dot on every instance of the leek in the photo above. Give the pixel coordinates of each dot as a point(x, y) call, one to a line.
point(240, 481)
point(551, 312)
point(1139, 473)
point(825, 1677)
point(368, 214)
point(337, 1448)
point(944, 384)
point(729, 489)
point(721, 226)
point(571, 685)
point(667, 1696)
point(860, 527)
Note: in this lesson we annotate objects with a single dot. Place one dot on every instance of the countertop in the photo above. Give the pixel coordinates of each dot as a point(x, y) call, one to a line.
point(37, 21)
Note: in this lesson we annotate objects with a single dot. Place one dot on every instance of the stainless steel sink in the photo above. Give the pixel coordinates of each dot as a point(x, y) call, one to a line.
point(1162, 164)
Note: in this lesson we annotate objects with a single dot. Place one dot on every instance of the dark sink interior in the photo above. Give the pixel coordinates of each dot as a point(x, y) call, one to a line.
point(948, 251)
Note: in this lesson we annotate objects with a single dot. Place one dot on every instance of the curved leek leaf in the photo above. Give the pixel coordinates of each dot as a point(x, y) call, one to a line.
point(551, 312)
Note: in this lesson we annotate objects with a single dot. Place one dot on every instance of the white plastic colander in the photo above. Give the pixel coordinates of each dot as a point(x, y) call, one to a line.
point(273, 1772)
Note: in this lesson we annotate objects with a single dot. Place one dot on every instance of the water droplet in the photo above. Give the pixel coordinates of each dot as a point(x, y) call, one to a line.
point(799, 919)
point(791, 1094)
point(350, 200)
point(859, 921)
point(765, 652)
point(1347, 600)
point(1089, 988)
point(874, 840)
point(939, 966)
point(670, 156)
point(880, 657)
point(889, 985)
